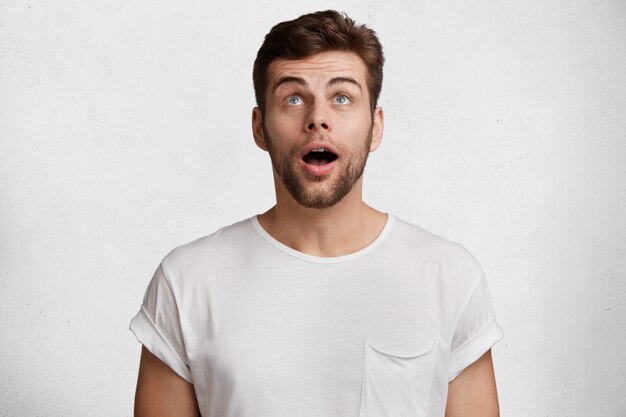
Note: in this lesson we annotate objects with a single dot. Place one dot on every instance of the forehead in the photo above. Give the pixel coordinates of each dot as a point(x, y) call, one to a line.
point(322, 66)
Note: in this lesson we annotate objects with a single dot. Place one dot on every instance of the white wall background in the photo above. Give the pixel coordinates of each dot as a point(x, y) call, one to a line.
point(124, 129)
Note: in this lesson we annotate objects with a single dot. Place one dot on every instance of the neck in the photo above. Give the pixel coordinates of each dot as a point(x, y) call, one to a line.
point(346, 227)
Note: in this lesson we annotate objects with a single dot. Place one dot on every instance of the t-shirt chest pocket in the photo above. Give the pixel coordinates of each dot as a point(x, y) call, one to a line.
point(397, 385)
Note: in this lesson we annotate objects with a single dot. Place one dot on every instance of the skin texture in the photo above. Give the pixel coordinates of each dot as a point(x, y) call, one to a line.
point(473, 392)
point(321, 216)
point(161, 392)
point(302, 107)
point(314, 108)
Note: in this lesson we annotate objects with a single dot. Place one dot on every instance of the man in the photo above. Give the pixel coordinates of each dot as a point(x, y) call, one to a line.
point(323, 305)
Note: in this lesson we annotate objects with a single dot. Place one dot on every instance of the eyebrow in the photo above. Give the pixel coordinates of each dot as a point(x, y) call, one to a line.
point(301, 81)
point(288, 79)
point(339, 80)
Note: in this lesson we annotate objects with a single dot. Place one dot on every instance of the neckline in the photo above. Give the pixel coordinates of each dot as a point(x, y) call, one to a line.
point(319, 259)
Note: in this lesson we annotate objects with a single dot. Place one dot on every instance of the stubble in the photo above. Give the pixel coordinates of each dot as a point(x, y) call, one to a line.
point(297, 183)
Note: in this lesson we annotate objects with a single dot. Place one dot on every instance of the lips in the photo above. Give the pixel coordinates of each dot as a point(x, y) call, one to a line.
point(319, 158)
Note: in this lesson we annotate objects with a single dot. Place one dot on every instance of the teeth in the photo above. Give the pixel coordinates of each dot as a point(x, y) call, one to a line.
point(318, 150)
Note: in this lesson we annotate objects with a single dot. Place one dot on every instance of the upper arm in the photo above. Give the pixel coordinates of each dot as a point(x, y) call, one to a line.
point(161, 392)
point(473, 392)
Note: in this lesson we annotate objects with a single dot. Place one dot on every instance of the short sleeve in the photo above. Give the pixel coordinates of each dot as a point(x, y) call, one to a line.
point(157, 325)
point(476, 330)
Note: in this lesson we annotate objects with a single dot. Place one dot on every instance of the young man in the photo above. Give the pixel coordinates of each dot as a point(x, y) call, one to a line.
point(323, 305)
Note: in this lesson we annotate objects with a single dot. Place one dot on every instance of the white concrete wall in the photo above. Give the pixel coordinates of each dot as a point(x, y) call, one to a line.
point(124, 129)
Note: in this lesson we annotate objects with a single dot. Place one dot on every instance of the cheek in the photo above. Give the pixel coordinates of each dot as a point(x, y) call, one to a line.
point(281, 122)
point(358, 125)
point(284, 133)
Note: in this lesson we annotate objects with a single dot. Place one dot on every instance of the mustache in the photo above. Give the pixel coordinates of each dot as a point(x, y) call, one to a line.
point(316, 138)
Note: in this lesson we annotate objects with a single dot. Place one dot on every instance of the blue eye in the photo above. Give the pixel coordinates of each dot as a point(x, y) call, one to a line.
point(342, 99)
point(294, 100)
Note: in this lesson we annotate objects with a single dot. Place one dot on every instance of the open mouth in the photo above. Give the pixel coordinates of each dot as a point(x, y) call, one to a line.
point(319, 156)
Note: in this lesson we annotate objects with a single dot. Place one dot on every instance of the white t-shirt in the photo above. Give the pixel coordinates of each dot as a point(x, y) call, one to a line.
point(263, 330)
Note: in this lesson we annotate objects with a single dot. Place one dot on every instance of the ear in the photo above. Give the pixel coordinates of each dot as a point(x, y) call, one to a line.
point(378, 123)
point(257, 129)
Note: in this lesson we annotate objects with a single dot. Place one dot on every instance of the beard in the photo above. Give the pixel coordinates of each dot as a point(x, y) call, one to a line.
point(286, 168)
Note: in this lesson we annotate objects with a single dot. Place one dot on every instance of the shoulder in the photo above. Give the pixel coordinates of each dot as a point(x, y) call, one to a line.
point(450, 259)
point(204, 251)
point(425, 243)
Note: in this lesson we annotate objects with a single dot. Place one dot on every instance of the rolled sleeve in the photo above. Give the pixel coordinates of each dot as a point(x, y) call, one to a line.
point(157, 325)
point(476, 331)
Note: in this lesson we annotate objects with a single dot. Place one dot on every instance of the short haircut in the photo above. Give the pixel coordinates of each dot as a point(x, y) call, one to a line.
point(314, 33)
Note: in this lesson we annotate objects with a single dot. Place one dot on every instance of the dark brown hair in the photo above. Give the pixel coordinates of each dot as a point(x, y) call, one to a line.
point(318, 32)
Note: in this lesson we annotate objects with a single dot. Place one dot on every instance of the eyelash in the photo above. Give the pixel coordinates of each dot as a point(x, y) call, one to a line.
point(300, 98)
point(344, 95)
point(293, 96)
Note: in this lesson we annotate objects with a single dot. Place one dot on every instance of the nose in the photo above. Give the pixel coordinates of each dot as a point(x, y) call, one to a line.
point(318, 118)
